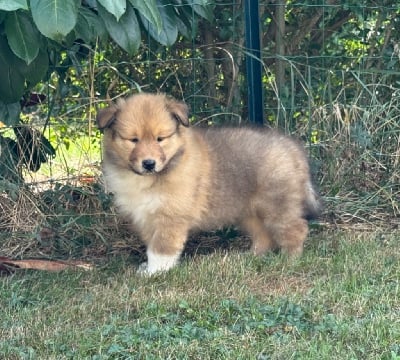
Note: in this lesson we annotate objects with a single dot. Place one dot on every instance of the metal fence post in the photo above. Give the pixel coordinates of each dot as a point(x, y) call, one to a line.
point(253, 62)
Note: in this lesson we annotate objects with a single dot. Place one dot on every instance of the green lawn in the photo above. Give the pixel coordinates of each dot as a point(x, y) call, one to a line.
point(339, 301)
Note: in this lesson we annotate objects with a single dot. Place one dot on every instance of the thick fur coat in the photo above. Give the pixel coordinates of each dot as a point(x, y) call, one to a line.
point(169, 179)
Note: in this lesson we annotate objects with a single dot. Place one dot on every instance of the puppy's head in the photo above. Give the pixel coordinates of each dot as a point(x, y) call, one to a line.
point(143, 133)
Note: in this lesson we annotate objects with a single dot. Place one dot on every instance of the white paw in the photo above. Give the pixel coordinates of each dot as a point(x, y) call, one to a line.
point(142, 269)
point(157, 263)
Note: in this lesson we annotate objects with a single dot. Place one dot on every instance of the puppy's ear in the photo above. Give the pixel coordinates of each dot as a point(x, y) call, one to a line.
point(179, 110)
point(105, 117)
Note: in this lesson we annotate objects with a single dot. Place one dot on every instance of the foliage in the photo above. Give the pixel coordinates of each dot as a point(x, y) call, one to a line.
point(207, 61)
point(330, 51)
point(50, 41)
point(33, 34)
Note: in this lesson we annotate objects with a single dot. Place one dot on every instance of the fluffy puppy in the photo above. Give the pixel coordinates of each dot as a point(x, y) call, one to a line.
point(169, 179)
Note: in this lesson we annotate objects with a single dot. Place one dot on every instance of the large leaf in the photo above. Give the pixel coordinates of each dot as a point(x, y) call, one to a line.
point(202, 8)
point(126, 31)
point(169, 33)
point(12, 82)
point(9, 113)
point(22, 36)
point(149, 10)
point(89, 26)
point(36, 70)
point(16, 76)
point(12, 5)
point(55, 18)
point(115, 7)
point(186, 22)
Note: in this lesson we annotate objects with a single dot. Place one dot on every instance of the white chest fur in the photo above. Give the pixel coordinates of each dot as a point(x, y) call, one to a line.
point(134, 195)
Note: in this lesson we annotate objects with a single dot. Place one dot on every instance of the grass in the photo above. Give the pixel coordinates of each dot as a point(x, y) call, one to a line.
point(340, 300)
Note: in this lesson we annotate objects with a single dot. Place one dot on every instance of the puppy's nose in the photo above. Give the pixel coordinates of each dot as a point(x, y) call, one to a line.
point(149, 164)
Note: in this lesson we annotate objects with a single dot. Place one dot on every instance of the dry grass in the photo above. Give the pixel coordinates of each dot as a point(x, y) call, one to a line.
point(19, 213)
point(358, 154)
point(62, 219)
point(80, 221)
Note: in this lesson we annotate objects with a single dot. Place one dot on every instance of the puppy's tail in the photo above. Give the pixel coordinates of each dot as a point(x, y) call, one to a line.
point(312, 203)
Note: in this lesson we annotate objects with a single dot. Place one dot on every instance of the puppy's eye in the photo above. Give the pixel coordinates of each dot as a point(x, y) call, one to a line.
point(159, 139)
point(135, 140)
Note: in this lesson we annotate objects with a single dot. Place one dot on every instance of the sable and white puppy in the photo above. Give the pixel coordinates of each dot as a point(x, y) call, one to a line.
point(170, 179)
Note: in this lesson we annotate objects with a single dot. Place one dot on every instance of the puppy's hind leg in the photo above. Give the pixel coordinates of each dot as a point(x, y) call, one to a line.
point(261, 239)
point(289, 235)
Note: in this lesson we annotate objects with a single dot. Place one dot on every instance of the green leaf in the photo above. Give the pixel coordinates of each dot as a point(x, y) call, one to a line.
point(149, 10)
point(115, 7)
point(89, 26)
point(169, 33)
point(126, 31)
point(22, 36)
point(9, 113)
point(55, 18)
point(12, 5)
point(186, 22)
point(36, 70)
point(16, 76)
point(202, 8)
point(12, 82)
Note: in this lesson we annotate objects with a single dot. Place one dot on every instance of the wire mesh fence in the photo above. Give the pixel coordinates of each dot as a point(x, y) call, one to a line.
point(330, 75)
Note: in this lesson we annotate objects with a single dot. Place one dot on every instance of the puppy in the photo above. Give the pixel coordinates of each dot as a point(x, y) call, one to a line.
point(170, 179)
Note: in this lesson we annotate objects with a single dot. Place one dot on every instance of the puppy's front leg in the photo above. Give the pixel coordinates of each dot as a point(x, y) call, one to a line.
point(157, 263)
point(163, 250)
